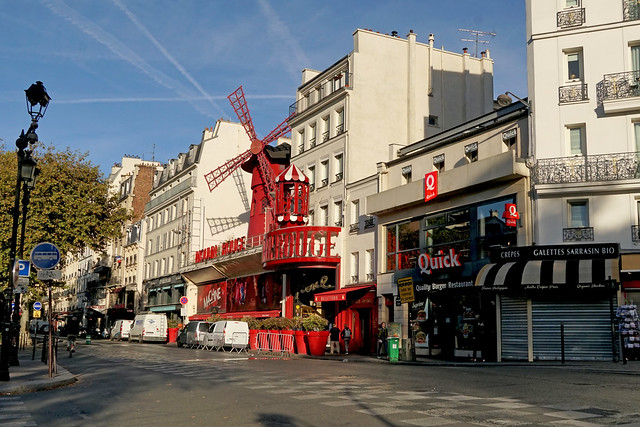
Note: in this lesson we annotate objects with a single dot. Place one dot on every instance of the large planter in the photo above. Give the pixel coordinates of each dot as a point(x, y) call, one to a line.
point(317, 342)
point(253, 339)
point(172, 333)
point(301, 342)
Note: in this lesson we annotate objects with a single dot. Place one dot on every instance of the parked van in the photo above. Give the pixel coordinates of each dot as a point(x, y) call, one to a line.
point(120, 329)
point(227, 333)
point(193, 333)
point(149, 327)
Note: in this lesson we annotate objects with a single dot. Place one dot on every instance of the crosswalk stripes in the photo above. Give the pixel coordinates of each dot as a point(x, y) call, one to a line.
point(14, 413)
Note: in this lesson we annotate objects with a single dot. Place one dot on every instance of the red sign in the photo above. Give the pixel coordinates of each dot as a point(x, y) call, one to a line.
point(428, 263)
point(430, 186)
point(230, 247)
point(213, 295)
point(510, 215)
point(300, 245)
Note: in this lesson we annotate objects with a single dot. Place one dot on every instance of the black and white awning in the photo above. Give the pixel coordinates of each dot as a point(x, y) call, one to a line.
point(542, 273)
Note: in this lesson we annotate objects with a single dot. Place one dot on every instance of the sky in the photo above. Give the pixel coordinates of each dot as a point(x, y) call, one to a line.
point(145, 77)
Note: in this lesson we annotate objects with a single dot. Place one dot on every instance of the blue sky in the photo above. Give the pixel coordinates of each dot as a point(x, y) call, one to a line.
point(145, 77)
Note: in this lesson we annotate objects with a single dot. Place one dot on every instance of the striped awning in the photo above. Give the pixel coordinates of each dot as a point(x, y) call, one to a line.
point(513, 275)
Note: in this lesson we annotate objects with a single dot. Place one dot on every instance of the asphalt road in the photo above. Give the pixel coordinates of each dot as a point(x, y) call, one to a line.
point(123, 384)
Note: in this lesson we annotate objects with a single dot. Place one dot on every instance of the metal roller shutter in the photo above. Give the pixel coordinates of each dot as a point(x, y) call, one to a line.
point(514, 328)
point(587, 330)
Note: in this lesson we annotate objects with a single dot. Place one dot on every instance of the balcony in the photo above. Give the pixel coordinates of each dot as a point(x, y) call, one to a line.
point(619, 92)
point(312, 142)
point(340, 129)
point(325, 136)
point(354, 279)
point(327, 86)
point(301, 148)
point(324, 182)
point(338, 177)
point(630, 10)
point(573, 93)
point(574, 17)
point(593, 168)
point(353, 228)
point(635, 233)
point(577, 234)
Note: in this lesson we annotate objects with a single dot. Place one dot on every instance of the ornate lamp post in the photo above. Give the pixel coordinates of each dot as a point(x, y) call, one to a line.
point(37, 102)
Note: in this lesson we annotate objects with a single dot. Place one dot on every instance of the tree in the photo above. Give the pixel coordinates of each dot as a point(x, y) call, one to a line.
point(70, 206)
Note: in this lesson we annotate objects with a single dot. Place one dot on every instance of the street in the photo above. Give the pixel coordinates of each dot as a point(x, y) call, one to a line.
point(151, 385)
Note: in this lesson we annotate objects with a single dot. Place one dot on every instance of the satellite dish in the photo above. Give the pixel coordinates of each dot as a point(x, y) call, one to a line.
point(504, 100)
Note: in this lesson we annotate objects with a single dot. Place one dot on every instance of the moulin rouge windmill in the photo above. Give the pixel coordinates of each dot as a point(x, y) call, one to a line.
point(263, 161)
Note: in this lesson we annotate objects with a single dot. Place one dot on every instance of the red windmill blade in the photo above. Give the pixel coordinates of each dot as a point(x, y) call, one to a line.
point(218, 175)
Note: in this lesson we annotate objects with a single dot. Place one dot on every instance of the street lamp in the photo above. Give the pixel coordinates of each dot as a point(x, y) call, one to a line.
point(37, 102)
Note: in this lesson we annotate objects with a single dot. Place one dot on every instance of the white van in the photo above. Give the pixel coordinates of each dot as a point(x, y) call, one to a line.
point(227, 333)
point(149, 327)
point(120, 329)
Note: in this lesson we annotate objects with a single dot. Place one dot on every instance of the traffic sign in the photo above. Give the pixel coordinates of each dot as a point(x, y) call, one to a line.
point(37, 305)
point(24, 268)
point(45, 256)
point(50, 274)
point(36, 314)
point(184, 300)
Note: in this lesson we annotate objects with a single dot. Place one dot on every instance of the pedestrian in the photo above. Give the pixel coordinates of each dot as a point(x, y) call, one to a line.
point(346, 337)
point(334, 337)
point(382, 340)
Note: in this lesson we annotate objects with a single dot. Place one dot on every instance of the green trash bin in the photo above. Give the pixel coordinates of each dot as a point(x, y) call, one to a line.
point(393, 348)
point(88, 339)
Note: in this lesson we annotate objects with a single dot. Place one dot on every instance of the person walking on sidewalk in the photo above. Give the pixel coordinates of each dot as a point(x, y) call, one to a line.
point(382, 340)
point(346, 337)
point(334, 338)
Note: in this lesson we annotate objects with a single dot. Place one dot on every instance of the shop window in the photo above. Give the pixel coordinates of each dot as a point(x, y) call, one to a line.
point(491, 227)
point(403, 245)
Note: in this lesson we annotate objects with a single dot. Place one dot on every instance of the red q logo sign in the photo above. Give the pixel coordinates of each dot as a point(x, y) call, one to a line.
point(510, 214)
point(430, 186)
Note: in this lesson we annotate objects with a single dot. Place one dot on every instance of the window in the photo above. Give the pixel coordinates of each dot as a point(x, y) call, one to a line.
point(325, 128)
point(339, 164)
point(438, 162)
point(324, 172)
point(403, 245)
point(340, 120)
point(406, 174)
point(312, 217)
point(312, 136)
point(572, 3)
point(574, 65)
point(509, 138)
point(301, 141)
point(576, 135)
point(578, 213)
point(354, 267)
point(312, 177)
point(337, 213)
point(433, 121)
point(636, 131)
point(369, 264)
point(355, 213)
point(471, 152)
point(324, 215)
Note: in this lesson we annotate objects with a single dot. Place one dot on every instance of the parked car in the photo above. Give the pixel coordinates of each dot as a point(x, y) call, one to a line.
point(120, 329)
point(227, 334)
point(149, 327)
point(40, 327)
point(193, 333)
point(181, 339)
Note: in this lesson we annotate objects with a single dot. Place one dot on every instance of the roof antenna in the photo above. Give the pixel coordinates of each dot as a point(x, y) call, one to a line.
point(477, 40)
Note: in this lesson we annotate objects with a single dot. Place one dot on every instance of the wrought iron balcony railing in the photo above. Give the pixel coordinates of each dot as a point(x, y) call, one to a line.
point(592, 168)
point(619, 86)
point(328, 85)
point(339, 223)
point(353, 228)
point(338, 177)
point(369, 277)
point(325, 136)
point(324, 182)
point(354, 279)
point(635, 233)
point(571, 17)
point(301, 148)
point(340, 129)
point(573, 93)
point(630, 10)
point(312, 142)
point(312, 187)
point(577, 234)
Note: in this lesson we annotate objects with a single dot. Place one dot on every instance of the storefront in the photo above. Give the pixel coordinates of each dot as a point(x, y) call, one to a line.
point(554, 302)
point(163, 295)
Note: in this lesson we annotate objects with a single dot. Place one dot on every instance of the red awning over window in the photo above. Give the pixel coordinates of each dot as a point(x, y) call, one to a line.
point(339, 294)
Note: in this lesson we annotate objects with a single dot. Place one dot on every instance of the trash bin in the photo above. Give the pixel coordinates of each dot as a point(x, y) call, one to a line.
point(88, 339)
point(394, 348)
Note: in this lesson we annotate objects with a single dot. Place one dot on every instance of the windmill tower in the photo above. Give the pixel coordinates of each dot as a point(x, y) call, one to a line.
point(263, 161)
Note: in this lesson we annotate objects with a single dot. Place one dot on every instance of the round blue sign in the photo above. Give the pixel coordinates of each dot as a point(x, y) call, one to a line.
point(45, 256)
point(37, 305)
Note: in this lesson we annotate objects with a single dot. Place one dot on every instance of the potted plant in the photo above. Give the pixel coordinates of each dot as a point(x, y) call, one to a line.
point(317, 334)
point(172, 332)
point(286, 330)
point(300, 336)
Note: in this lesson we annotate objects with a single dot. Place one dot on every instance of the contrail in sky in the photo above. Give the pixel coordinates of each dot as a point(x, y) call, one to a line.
point(167, 55)
point(160, 99)
point(114, 45)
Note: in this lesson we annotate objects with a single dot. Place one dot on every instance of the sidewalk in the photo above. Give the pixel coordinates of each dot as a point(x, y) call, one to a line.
point(33, 375)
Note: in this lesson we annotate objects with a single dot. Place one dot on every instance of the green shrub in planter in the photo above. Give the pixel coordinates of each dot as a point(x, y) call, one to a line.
point(253, 323)
point(214, 318)
point(314, 322)
point(172, 323)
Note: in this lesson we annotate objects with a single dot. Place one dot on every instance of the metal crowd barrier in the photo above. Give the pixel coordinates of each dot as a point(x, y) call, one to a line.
point(275, 342)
